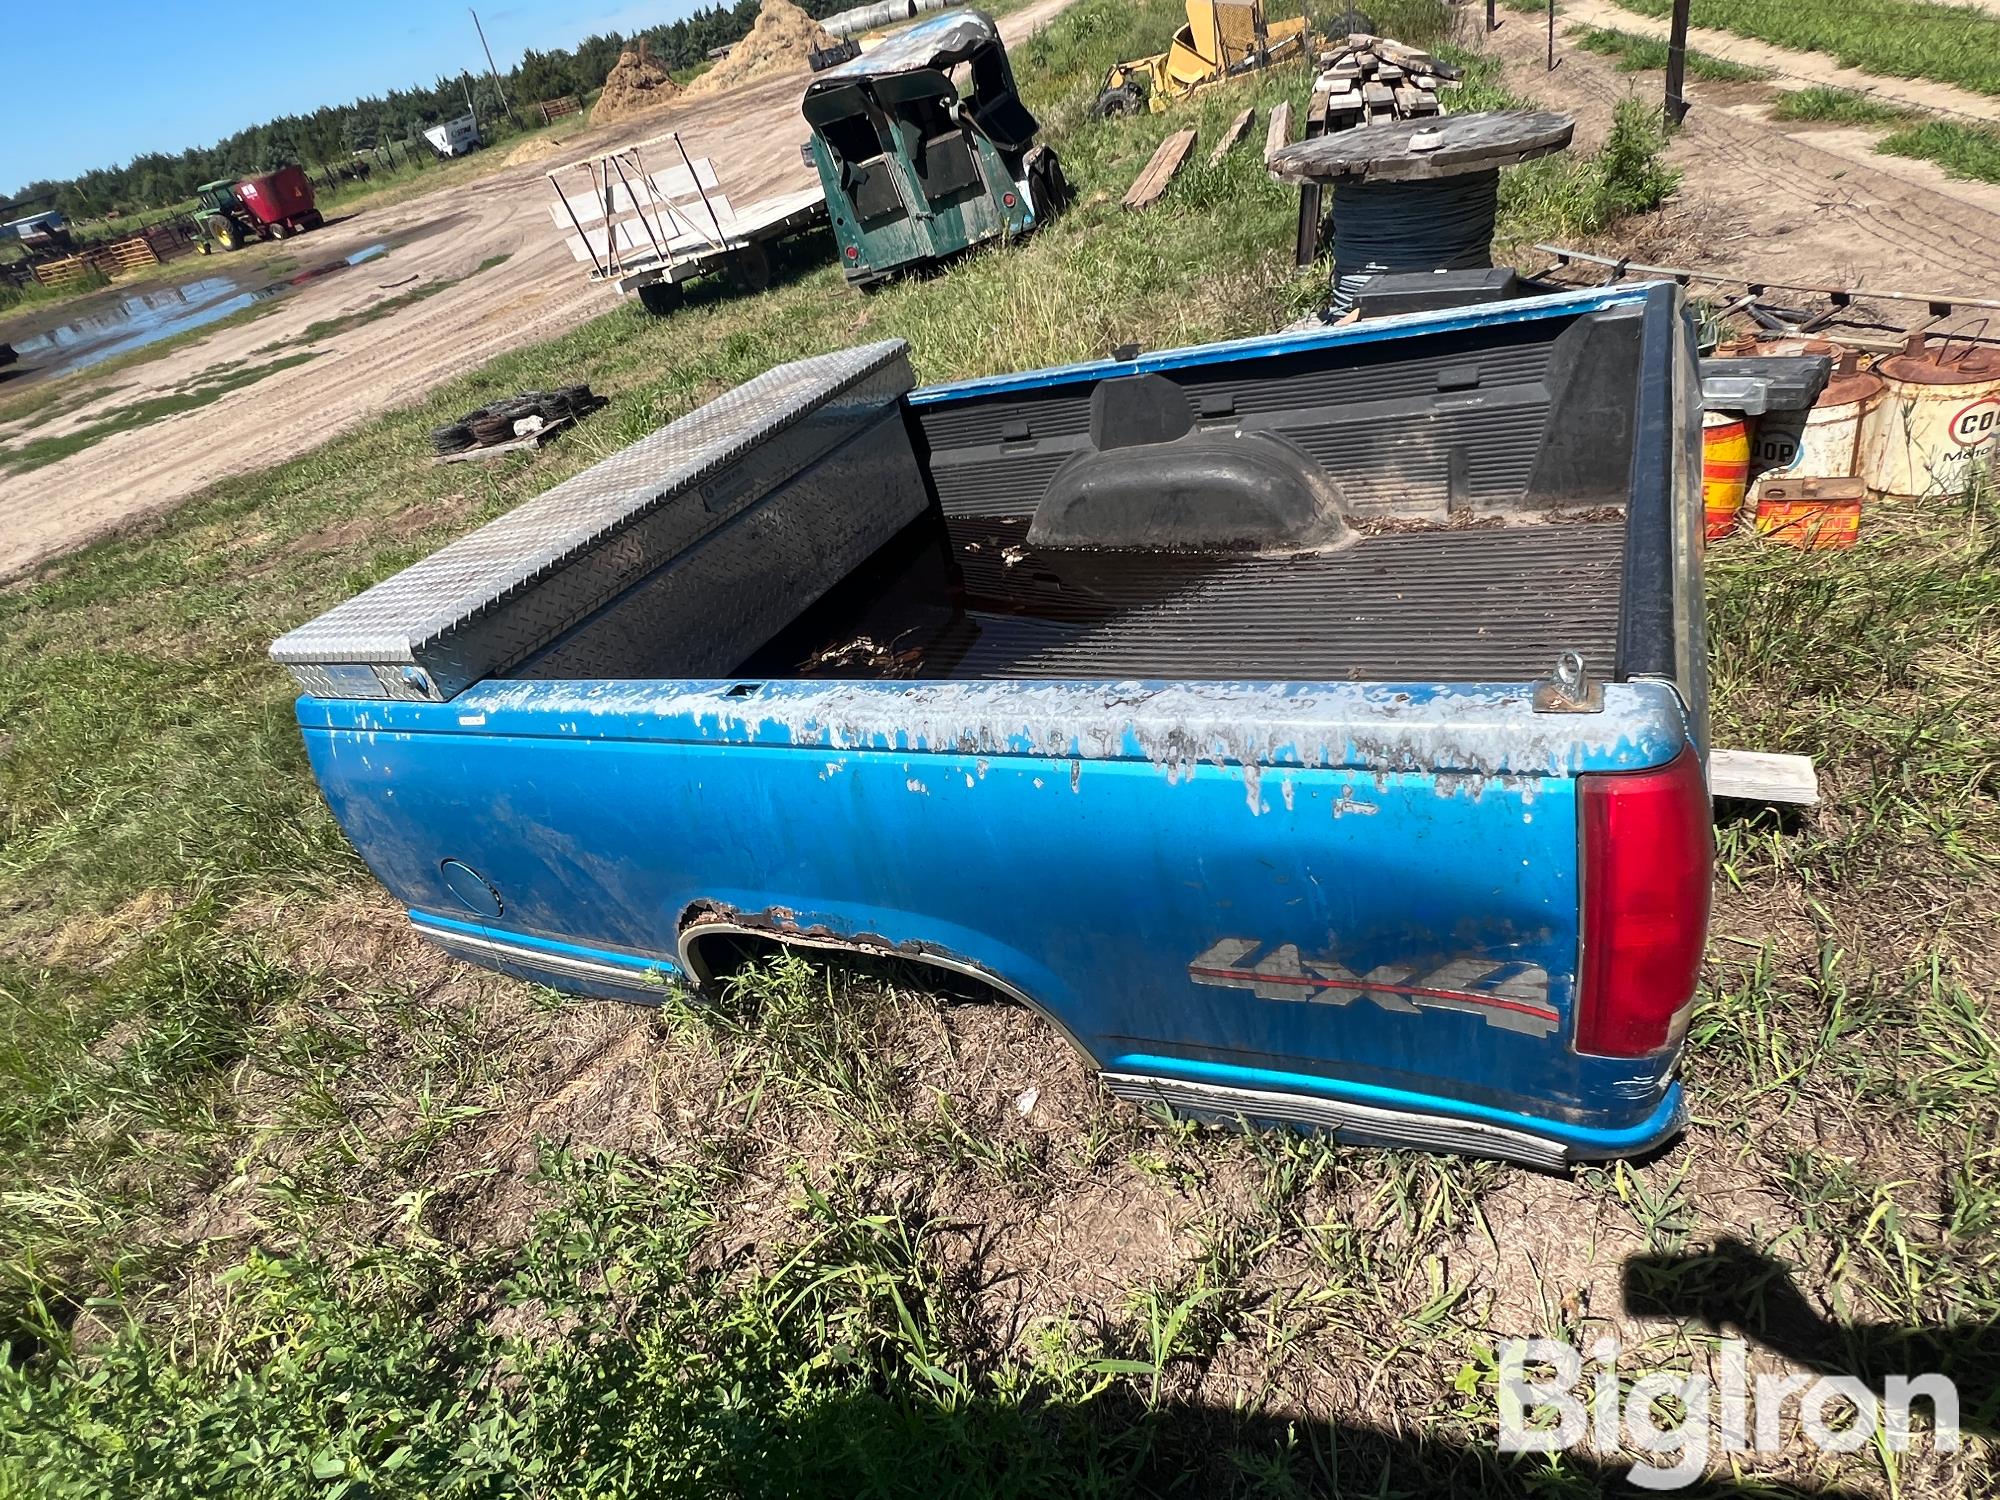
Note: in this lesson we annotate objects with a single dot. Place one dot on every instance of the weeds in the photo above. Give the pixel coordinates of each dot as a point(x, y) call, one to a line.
point(27, 298)
point(1837, 106)
point(1957, 44)
point(1574, 199)
point(1638, 54)
point(1969, 151)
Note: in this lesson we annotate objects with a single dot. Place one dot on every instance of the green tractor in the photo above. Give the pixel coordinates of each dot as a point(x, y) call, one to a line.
point(231, 212)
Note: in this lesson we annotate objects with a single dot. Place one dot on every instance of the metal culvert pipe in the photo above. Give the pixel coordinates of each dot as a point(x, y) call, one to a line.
point(869, 17)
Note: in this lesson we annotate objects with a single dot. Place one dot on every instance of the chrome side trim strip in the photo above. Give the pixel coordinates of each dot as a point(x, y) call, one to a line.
point(489, 950)
point(1358, 1123)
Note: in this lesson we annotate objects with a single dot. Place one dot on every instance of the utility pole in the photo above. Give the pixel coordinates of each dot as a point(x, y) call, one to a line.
point(495, 72)
point(1677, 60)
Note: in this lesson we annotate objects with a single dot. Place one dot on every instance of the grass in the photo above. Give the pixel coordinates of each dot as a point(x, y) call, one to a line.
point(290, 1206)
point(326, 328)
point(1962, 149)
point(1956, 44)
point(1638, 54)
point(26, 299)
point(1971, 151)
point(209, 386)
point(1836, 106)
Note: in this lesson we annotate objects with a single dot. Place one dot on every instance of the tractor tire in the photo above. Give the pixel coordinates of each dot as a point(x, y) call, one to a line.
point(224, 232)
point(281, 231)
point(660, 297)
point(750, 268)
point(1126, 99)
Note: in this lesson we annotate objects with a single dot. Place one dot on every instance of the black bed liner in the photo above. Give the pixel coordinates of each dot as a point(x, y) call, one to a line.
point(1446, 604)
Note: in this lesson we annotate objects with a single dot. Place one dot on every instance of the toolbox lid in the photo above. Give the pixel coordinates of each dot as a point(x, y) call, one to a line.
point(487, 600)
point(1760, 383)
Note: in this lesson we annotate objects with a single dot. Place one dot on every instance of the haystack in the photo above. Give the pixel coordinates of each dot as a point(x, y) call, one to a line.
point(539, 149)
point(778, 43)
point(635, 87)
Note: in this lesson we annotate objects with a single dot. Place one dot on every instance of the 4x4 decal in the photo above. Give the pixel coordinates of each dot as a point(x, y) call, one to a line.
point(1507, 993)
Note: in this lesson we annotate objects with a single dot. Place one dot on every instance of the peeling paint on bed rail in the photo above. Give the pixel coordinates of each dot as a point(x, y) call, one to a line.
point(1458, 731)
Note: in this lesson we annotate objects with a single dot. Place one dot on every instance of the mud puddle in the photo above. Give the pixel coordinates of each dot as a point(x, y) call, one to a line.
point(143, 318)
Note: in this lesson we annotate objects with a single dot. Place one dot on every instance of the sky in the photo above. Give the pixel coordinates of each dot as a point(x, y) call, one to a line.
point(115, 78)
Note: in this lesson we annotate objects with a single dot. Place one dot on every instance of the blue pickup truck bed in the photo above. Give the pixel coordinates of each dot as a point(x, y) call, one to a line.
point(1288, 830)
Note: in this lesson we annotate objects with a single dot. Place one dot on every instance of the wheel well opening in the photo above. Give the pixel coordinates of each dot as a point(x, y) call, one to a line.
point(711, 956)
point(714, 958)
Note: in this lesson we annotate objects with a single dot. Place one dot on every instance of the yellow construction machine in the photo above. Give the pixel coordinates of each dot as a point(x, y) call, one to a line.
point(1223, 39)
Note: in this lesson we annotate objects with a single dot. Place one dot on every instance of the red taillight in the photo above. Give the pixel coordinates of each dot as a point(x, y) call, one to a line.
point(1648, 848)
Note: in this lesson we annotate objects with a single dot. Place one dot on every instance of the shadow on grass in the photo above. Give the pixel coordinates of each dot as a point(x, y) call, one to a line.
point(1118, 1445)
point(1732, 1284)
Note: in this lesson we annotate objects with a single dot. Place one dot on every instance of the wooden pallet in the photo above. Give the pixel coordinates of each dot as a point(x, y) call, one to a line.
point(1159, 172)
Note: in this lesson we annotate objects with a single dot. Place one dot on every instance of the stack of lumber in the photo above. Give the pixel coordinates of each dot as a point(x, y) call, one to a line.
point(1373, 79)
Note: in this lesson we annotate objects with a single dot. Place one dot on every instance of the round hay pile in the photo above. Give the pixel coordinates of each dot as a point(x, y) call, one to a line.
point(539, 149)
point(635, 87)
point(778, 43)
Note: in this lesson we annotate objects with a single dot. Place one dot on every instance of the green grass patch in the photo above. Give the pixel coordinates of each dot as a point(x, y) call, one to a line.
point(1837, 106)
point(24, 299)
point(1963, 150)
point(210, 386)
point(328, 327)
point(1639, 54)
point(1957, 44)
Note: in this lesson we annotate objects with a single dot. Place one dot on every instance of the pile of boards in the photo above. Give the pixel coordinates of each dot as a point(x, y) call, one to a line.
point(1374, 79)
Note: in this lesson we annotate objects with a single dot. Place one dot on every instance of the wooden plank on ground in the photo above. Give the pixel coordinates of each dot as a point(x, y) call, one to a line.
point(1168, 160)
point(1280, 132)
point(1763, 776)
point(1238, 128)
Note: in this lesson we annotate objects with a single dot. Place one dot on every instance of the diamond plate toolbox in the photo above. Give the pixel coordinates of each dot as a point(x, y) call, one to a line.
point(770, 457)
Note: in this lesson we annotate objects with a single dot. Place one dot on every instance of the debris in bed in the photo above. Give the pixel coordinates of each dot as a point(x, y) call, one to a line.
point(1468, 521)
point(885, 661)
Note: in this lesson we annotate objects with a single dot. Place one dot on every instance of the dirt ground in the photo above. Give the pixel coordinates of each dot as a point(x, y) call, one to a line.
point(1794, 201)
point(753, 134)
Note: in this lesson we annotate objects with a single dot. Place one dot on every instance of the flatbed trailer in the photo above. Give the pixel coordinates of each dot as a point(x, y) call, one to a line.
point(648, 227)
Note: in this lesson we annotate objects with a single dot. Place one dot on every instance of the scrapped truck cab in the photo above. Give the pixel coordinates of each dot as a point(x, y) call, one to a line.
point(1310, 727)
point(925, 150)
